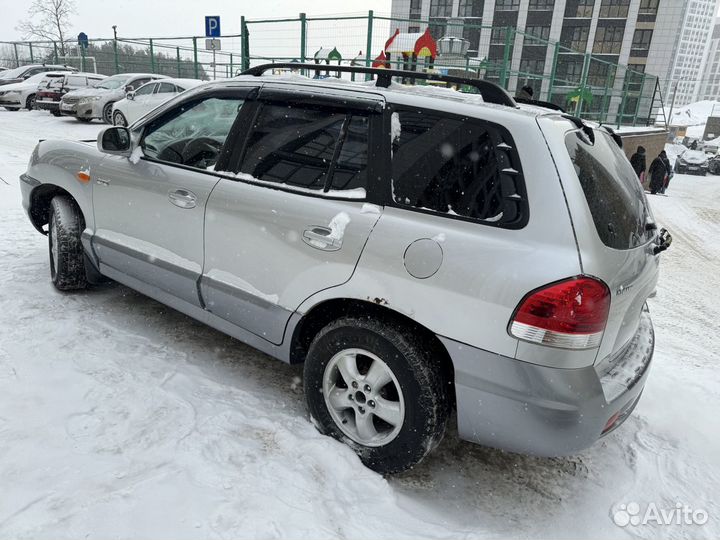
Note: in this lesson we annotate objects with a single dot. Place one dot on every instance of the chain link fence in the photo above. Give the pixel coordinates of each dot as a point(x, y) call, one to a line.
point(584, 84)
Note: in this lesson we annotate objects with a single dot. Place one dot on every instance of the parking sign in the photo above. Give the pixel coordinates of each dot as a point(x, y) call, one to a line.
point(212, 26)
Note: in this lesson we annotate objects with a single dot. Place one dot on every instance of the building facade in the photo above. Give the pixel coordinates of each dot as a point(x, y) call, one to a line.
point(710, 84)
point(569, 41)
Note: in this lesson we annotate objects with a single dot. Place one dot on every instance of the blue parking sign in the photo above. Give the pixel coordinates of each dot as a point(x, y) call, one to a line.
point(212, 26)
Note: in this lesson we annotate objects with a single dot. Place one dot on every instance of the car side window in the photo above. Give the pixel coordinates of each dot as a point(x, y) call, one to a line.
point(137, 83)
point(192, 134)
point(166, 88)
point(308, 147)
point(458, 166)
point(146, 90)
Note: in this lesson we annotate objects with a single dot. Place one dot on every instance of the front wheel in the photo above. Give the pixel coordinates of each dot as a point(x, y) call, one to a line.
point(379, 389)
point(119, 119)
point(107, 113)
point(67, 261)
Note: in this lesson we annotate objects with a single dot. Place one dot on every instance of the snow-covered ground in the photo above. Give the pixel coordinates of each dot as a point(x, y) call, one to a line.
point(121, 418)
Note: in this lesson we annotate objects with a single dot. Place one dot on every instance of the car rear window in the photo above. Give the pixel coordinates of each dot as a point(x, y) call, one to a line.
point(613, 192)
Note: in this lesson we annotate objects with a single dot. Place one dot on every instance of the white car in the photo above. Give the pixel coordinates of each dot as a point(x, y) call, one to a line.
point(97, 102)
point(147, 97)
point(15, 96)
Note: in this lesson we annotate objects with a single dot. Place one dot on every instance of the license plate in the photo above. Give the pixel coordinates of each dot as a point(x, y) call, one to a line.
point(693, 168)
point(67, 107)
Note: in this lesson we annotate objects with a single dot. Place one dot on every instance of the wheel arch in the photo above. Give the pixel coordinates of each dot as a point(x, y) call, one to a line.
point(39, 210)
point(323, 313)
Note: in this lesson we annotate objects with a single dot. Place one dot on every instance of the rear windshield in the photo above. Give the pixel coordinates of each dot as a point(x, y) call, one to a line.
point(616, 199)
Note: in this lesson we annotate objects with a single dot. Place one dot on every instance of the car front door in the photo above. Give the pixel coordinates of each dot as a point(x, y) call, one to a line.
point(149, 210)
point(137, 106)
point(296, 219)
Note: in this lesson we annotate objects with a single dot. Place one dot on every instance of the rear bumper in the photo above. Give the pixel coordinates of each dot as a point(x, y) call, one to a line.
point(80, 110)
point(545, 411)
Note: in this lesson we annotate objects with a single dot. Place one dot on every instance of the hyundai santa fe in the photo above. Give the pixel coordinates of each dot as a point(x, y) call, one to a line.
point(423, 251)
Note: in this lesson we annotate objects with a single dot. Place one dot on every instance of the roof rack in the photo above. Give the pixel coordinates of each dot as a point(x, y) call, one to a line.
point(490, 92)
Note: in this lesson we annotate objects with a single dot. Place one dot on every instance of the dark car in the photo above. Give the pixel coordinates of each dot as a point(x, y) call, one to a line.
point(50, 93)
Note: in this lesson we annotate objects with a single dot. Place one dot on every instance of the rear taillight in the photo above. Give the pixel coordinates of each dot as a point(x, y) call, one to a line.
point(570, 314)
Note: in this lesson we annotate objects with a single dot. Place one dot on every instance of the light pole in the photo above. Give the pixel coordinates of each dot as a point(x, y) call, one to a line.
point(117, 67)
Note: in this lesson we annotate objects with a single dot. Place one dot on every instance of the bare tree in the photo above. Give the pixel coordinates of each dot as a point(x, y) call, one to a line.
point(48, 20)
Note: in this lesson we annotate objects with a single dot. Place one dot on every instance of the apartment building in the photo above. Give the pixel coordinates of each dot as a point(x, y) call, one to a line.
point(710, 83)
point(666, 38)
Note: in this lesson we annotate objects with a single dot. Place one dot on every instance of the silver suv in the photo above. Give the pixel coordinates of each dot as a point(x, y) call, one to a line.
point(420, 249)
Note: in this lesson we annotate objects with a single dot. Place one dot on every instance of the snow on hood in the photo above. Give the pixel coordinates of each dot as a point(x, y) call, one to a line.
point(90, 91)
point(694, 156)
point(18, 86)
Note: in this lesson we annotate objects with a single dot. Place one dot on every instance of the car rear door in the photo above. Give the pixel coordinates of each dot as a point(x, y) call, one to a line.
point(295, 220)
point(149, 211)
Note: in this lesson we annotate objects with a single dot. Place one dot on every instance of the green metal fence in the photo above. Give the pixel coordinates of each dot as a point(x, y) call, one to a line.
point(588, 84)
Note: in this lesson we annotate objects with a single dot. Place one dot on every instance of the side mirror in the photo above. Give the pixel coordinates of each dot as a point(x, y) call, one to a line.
point(130, 95)
point(115, 140)
point(129, 88)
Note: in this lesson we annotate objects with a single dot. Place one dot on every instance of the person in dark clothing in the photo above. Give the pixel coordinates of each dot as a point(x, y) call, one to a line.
point(657, 172)
point(526, 92)
point(637, 160)
point(668, 172)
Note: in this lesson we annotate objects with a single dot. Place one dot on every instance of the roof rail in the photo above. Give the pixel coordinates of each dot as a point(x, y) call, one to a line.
point(544, 104)
point(490, 92)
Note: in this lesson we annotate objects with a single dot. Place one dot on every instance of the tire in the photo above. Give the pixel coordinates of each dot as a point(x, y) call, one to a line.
point(83, 120)
point(56, 114)
point(30, 102)
point(119, 119)
point(67, 261)
point(12, 109)
point(107, 113)
point(415, 397)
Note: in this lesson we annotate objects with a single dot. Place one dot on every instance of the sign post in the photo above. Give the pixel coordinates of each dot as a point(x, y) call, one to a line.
point(212, 30)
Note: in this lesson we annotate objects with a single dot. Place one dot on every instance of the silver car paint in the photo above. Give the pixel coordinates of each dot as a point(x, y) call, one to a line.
point(467, 301)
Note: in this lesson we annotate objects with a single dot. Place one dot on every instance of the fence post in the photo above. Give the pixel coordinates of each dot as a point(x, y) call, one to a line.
point(303, 37)
point(583, 83)
point(82, 58)
point(152, 57)
point(195, 58)
point(32, 60)
point(607, 97)
point(232, 72)
point(244, 45)
point(368, 49)
point(17, 58)
point(553, 71)
point(177, 50)
point(55, 52)
point(509, 39)
point(621, 109)
point(117, 64)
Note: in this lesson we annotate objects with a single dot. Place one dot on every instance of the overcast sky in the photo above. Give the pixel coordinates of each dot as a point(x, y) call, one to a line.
point(137, 18)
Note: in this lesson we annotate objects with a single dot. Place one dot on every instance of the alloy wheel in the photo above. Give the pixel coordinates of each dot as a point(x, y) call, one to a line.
point(363, 397)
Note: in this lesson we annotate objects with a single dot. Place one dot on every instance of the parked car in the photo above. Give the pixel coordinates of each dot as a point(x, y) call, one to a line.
point(97, 102)
point(51, 91)
point(420, 252)
point(692, 162)
point(147, 97)
point(22, 94)
point(23, 73)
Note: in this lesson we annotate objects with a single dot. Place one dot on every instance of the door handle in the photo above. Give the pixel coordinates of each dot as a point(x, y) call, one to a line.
point(321, 238)
point(182, 198)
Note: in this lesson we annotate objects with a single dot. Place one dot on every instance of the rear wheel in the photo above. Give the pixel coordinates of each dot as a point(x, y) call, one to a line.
point(379, 389)
point(30, 102)
point(119, 119)
point(67, 262)
point(83, 120)
point(12, 109)
point(107, 113)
